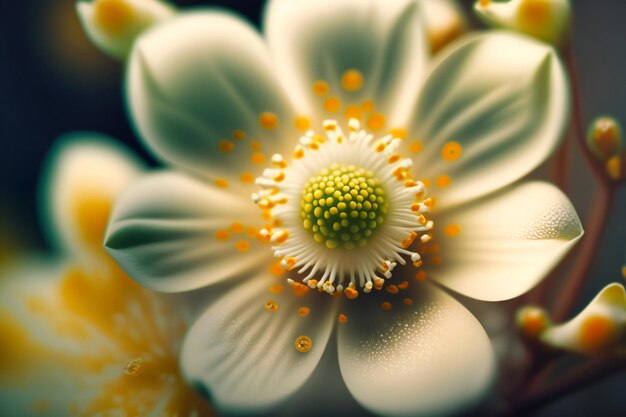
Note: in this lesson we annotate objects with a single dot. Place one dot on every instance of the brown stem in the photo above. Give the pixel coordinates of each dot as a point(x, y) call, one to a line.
point(579, 378)
point(585, 254)
point(560, 168)
point(597, 218)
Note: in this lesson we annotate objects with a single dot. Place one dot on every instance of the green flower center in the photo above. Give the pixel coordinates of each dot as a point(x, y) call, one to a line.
point(342, 206)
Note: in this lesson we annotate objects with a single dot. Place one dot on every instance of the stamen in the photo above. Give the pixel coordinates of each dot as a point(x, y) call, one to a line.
point(344, 212)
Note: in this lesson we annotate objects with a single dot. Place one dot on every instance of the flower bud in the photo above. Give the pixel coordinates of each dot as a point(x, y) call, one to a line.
point(604, 138)
point(598, 328)
point(547, 20)
point(532, 321)
point(113, 25)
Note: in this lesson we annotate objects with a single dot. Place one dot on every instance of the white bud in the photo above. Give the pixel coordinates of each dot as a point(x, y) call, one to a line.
point(113, 25)
point(547, 20)
point(598, 328)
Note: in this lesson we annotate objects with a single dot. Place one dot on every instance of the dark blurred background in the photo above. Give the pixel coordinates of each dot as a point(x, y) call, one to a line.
point(53, 81)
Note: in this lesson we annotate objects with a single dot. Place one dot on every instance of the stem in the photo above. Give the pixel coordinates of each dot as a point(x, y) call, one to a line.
point(561, 162)
point(585, 255)
point(597, 218)
point(569, 383)
point(577, 117)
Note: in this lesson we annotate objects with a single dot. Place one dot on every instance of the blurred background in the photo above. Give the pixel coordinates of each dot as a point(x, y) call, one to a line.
point(53, 81)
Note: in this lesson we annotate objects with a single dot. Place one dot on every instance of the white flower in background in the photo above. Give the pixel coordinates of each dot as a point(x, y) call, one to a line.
point(340, 105)
point(79, 337)
point(600, 327)
point(547, 20)
point(113, 25)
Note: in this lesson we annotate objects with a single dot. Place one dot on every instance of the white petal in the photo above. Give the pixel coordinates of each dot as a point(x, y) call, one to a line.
point(428, 358)
point(504, 99)
point(599, 327)
point(195, 81)
point(113, 25)
point(245, 355)
point(384, 41)
point(172, 233)
point(84, 174)
point(506, 243)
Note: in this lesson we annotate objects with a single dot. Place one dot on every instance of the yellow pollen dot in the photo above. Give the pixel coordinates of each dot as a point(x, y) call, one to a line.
point(222, 235)
point(257, 158)
point(407, 301)
point(596, 333)
point(403, 285)
point(302, 123)
point(277, 289)
point(368, 106)
point(221, 182)
point(303, 344)
point(303, 311)
point(277, 269)
point(353, 111)
point(484, 3)
point(435, 248)
point(376, 121)
point(451, 151)
point(299, 289)
point(386, 306)
point(271, 306)
point(321, 88)
point(239, 134)
point(255, 145)
point(268, 120)
point(252, 231)
point(394, 158)
point(436, 260)
point(420, 276)
point(226, 146)
point(392, 289)
point(443, 181)
point(332, 104)
point(416, 146)
point(247, 178)
point(352, 80)
point(242, 246)
point(237, 228)
point(113, 17)
point(135, 367)
point(399, 133)
point(342, 318)
point(351, 293)
point(452, 230)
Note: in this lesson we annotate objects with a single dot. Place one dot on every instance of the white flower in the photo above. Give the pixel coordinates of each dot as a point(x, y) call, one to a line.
point(439, 145)
point(79, 337)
